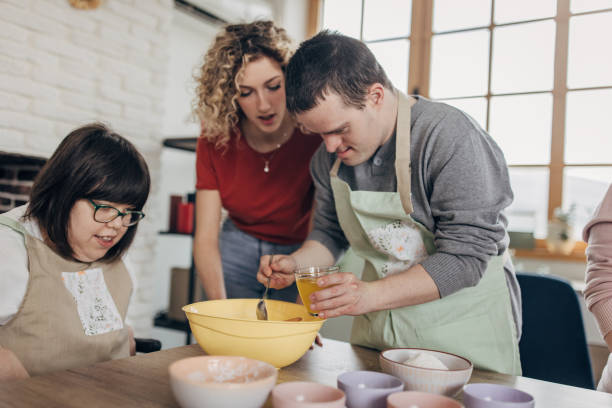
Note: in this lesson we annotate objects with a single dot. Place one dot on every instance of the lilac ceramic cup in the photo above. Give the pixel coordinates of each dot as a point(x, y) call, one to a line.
point(368, 389)
point(483, 395)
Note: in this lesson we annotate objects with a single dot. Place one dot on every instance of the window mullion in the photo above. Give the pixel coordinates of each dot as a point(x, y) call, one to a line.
point(314, 20)
point(557, 145)
point(420, 47)
point(488, 95)
point(362, 18)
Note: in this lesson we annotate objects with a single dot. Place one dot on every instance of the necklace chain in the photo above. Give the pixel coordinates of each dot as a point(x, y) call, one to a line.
point(267, 160)
point(268, 156)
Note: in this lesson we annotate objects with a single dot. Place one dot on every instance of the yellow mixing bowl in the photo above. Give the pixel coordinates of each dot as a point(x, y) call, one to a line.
point(230, 327)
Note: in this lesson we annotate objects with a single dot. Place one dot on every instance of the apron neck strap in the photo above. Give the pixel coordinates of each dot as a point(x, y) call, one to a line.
point(402, 150)
point(11, 223)
point(334, 170)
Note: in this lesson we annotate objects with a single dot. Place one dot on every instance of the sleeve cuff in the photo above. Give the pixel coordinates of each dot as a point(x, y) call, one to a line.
point(327, 242)
point(602, 311)
point(450, 272)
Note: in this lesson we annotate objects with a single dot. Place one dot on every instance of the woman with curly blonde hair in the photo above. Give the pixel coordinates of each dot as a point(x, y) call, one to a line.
point(251, 160)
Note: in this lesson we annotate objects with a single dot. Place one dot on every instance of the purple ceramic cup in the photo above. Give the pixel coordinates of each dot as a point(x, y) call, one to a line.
point(368, 389)
point(483, 395)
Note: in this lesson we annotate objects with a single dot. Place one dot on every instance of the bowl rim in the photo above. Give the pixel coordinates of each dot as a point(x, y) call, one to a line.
point(470, 367)
point(466, 392)
point(316, 270)
point(315, 321)
point(224, 385)
point(285, 384)
point(439, 397)
point(340, 379)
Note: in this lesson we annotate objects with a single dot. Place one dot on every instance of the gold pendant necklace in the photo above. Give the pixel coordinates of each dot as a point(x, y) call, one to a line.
point(268, 156)
point(267, 160)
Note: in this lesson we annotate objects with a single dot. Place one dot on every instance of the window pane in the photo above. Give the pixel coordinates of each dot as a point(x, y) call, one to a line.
point(529, 210)
point(386, 19)
point(455, 15)
point(584, 187)
point(589, 64)
point(523, 57)
point(521, 125)
point(507, 11)
point(588, 127)
point(393, 56)
point(578, 6)
point(344, 16)
point(459, 64)
point(475, 107)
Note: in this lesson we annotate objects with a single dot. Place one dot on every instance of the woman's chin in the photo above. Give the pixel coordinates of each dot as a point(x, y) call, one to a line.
point(90, 256)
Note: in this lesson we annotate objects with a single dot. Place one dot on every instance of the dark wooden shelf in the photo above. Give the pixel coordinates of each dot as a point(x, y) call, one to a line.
point(174, 233)
point(162, 320)
point(182, 143)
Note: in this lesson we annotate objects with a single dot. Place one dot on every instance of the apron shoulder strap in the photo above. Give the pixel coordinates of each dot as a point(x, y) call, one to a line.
point(402, 150)
point(12, 224)
point(334, 170)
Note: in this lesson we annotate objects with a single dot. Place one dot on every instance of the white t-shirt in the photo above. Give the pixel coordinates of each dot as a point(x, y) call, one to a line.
point(14, 272)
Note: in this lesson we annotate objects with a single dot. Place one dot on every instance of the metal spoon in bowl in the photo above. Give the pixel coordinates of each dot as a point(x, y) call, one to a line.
point(260, 310)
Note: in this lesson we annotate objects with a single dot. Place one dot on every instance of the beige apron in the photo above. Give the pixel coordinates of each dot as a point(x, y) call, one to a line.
point(72, 313)
point(474, 322)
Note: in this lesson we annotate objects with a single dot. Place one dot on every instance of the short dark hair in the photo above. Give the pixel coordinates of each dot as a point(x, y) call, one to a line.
point(331, 62)
point(91, 162)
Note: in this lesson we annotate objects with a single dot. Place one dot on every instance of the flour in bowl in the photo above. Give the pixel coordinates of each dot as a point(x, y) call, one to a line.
point(424, 360)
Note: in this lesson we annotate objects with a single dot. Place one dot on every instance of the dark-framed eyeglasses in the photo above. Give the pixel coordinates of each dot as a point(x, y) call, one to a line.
point(106, 213)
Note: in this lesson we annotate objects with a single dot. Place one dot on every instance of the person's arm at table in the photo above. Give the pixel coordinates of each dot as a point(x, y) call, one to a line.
point(348, 295)
point(206, 254)
point(10, 367)
point(598, 291)
point(13, 283)
point(280, 270)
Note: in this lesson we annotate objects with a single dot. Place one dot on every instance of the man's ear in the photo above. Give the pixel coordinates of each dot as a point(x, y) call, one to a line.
point(376, 95)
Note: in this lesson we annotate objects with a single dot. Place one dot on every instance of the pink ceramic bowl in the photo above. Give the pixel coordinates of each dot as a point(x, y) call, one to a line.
point(409, 399)
point(221, 381)
point(302, 394)
point(437, 381)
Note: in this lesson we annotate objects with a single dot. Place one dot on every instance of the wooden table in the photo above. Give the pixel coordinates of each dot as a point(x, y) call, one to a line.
point(142, 381)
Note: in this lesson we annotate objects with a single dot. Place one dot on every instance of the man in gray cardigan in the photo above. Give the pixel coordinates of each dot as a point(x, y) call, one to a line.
point(417, 189)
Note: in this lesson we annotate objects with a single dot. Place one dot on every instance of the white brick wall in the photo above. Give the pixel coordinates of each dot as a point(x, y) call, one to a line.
point(61, 67)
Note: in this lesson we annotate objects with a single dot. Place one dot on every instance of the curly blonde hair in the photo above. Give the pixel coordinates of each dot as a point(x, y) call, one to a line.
point(217, 92)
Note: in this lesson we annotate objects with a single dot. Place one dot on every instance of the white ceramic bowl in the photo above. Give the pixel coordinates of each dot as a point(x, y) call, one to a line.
point(221, 381)
point(437, 381)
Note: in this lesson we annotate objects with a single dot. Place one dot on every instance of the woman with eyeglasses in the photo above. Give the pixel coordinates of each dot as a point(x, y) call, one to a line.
point(64, 282)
